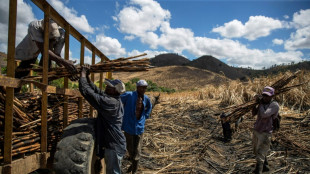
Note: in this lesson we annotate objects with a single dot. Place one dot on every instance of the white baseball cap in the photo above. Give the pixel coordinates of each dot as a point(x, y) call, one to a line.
point(141, 83)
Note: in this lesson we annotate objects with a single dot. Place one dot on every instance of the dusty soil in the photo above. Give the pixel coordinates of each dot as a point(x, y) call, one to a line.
point(184, 135)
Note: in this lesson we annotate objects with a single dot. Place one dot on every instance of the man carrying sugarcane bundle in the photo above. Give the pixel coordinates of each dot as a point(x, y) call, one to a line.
point(266, 111)
point(138, 108)
point(32, 45)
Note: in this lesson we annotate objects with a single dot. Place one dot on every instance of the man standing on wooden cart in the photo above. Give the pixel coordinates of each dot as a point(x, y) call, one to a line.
point(32, 45)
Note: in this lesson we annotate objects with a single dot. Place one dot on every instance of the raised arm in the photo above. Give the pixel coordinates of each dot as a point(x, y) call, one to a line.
point(87, 91)
point(60, 61)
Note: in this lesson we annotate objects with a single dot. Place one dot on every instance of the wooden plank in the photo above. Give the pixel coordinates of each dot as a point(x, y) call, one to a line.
point(9, 82)
point(8, 121)
point(92, 77)
point(80, 106)
point(109, 75)
point(63, 91)
point(26, 165)
point(66, 80)
point(31, 85)
point(45, 81)
point(100, 79)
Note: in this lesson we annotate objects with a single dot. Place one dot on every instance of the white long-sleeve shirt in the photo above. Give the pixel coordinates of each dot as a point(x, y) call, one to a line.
point(266, 113)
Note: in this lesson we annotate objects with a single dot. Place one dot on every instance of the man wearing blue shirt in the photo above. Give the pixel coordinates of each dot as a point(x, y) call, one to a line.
point(137, 108)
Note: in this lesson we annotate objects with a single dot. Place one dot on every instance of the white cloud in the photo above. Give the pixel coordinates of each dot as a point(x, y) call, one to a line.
point(24, 17)
point(301, 38)
point(109, 46)
point(132, 21)
point(301, 18)
point(138, 21)
point(78, 22)
point(236, 53)
point(131, 37)
point(231, 29)
point(286, 17)
point(277, 41)
point(255, 27)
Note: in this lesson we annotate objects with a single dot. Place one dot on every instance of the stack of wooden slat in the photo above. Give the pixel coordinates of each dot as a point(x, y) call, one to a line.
point(27, 121)
point(121, 64)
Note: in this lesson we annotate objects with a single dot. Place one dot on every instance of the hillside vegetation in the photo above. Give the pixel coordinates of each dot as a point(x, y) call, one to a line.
point(176, 77)
point(215, 65)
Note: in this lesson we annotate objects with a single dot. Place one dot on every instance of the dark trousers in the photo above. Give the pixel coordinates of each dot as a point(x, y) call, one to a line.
point(24, 64)
point(134, 143)
point(27, 64)
point(227, 132)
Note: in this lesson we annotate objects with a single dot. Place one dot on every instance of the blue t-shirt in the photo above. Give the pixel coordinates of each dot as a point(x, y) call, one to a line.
point(131, 124)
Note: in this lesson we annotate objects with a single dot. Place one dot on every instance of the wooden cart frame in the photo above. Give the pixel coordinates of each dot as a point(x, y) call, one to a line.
point(39, 160)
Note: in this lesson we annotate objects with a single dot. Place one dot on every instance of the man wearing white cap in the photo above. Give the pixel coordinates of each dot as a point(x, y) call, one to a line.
point(137, 109)
point(110, 140)
point(266, 112)
point(32, 45)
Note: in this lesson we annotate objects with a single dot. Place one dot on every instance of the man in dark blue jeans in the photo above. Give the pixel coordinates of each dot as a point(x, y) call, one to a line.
point(137, 109)
point(110, 140)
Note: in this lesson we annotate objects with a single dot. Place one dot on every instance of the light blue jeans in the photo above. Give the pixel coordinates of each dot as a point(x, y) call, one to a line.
point(113, 161)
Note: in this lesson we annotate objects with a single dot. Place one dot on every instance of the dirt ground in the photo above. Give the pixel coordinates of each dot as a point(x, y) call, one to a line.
point(184, 135)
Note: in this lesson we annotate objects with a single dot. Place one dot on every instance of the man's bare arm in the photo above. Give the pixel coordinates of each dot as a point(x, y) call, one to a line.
point(60, 61)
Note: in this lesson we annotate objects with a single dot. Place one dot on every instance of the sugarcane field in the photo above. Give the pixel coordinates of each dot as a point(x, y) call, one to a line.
point(130, 91)
point(184, 134)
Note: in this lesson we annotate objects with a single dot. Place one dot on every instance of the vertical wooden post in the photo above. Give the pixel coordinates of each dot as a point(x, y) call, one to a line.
point(109, 75)
point(81, 63)
point(8, 120)
point(45, 81)
point(101, 78)
point(92, 77)
point(31, 85)
point(66, 80)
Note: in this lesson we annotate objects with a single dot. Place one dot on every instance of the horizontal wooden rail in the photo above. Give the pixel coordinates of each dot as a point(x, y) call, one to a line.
point(16, 83)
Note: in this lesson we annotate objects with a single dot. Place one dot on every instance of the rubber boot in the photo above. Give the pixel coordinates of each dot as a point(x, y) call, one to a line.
point(266, 166)
point(98, 166)
point(258, 168)
point(134, 166)
point(129, 169)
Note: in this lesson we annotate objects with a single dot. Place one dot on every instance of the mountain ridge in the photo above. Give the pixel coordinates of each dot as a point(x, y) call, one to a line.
point(213, 64)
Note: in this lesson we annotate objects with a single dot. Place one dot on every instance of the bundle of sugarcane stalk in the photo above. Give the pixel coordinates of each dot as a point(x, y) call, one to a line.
point(235, 112)
point(27, 121)
point(120, 64)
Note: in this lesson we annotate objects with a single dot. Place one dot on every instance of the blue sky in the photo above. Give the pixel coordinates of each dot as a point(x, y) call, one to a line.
point(240, 33)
